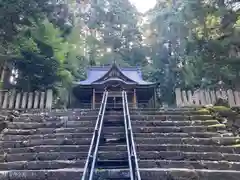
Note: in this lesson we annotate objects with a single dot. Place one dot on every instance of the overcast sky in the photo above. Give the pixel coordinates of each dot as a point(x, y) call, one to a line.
point(143, 5)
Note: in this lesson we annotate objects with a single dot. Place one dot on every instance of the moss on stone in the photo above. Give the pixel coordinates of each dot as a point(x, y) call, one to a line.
point(220, 108)
point(236, 145)
point(217, 125)
point(203, 110)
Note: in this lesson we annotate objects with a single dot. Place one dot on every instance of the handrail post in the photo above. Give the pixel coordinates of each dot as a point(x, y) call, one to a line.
point(98, 138)
point(132, 149)
point(90, 163)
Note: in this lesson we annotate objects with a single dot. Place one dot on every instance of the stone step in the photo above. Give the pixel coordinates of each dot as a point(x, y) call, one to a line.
point(39, 165)
point(113, 129)
point(112, 164)
point(186, 129)
point(56, 111)
point(180, 134)
point(113, 141)
point(113, 155)
point(174, 123)
point(35, 125)
point(187, 148)
point(171, 155)
point(46, 148)
point(47, 131)
point(59, 174)
point(171, 117)
point(159, 112)
point(213, 165)
point(44, 156)
point(170, 174)
point(113, 148)
point(69, 112)
point(38, 142)
point(45, 136)
point(225, 141)
point(170, 109)
point(112, 174)
point(191, 156)
point(184, 174)
point(55, 119)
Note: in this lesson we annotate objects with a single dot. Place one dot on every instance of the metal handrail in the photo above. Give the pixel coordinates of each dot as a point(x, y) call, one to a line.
point(95, 139)
point(127, 137)
point(132, 143)
point(99, 131)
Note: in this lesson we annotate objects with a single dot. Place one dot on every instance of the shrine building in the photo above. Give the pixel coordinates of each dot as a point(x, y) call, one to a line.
point(114, 79)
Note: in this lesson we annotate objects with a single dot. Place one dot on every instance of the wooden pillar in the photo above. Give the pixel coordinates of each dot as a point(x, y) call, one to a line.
point(93, 99)
point(134, 99)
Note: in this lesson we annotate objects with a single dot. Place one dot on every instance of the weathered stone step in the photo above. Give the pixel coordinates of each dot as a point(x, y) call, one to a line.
point(186, 129)
point(191, 156)
point(171, 117)
point(187, 148)
point(113, 123)
point(59, 174)
point(109, 135)
point(45, 136)
point(37, 142)
point(39, 165)
point(48, 131)
point(69, 112)
point(112, 164)
point(213, 165)
point(171, 174)
point(169, 109)
point(113, 141)
point(171, 155)
point(46, 148)
point(113, 129)
point(112, 174)
point(57, 124)
point(174, 123)
point(193, 141)
point(54, 119)
point(184, 174)
point(151, 112)
point(57, 111)
point(44, 156)
point(113, 148)
point(112, 155)
point(180, 134)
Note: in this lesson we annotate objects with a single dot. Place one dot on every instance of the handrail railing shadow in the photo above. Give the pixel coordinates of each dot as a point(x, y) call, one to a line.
point(132, 155)
point(93, 150)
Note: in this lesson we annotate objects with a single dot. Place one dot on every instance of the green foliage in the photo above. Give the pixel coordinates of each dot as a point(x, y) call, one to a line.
point(193, 44)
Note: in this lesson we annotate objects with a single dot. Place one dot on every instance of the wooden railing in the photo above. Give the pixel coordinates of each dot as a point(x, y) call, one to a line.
point(26, 100)
point(205, 97)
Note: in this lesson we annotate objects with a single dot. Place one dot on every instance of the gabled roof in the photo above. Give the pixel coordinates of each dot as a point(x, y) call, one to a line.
point(99, 75)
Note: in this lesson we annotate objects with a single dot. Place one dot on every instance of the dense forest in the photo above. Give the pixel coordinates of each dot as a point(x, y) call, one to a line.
point(179, 43)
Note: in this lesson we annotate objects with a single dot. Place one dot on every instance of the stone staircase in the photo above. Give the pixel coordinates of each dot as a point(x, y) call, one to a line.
point(46, 146)
point(172, 144)
point(112, 155)
point(181, 144)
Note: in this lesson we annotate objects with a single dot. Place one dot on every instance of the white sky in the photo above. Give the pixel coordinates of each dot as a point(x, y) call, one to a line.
point(143, 5)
